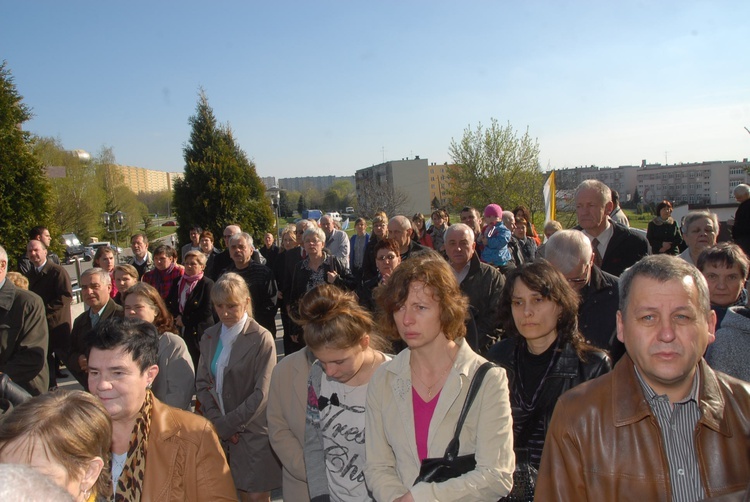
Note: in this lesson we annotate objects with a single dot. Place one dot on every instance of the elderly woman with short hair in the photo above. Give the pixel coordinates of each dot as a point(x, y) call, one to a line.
point(317, 268)
point(158, 452)
point(189, 302)
point(700, 230)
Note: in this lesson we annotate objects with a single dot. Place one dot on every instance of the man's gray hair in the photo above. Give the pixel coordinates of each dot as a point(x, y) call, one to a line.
point(566, 249)
point(103, 274)
point(603, 190)
point(3, 255)
point(508, 216)
point(664, 268)
point(460, 227)
point(244, 236)
point(741, 190)
point(24, 483)
point(694, 216)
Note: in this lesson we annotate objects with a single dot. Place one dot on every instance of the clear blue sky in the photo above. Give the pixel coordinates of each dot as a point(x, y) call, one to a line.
point(329, 87)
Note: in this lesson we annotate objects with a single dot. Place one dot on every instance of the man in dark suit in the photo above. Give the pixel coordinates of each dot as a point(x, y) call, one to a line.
point(23, 334)
point(569, 251)
point(95, 288)
point(39, 233)
point(52, 283)
point(615, 246)
point(401, 231)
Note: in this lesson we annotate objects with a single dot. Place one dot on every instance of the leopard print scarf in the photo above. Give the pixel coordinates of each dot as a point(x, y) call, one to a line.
point(130, 482)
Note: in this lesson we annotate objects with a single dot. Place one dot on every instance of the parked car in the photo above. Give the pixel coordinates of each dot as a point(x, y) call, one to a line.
point(73, 248)
point(90, 250)
point(170, 223)
point(335, 216)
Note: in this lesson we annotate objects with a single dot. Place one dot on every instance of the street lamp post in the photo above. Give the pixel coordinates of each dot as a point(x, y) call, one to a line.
point(114, 223)
point(275, 194)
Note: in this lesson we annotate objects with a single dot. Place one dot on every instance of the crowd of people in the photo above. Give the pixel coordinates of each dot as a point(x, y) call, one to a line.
point(427, 360)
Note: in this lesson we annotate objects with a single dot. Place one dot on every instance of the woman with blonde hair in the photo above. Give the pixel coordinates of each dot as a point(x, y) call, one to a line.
point(234, 374)
point(175, 383)
point(414, 401)
point(339, 333)
point(125, 275)
point(67, 437)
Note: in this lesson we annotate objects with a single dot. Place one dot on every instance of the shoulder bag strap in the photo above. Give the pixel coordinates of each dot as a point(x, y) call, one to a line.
point(451, 451)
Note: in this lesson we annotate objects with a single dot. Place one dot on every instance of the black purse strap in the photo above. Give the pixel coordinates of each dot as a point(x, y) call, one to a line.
point(451, 451)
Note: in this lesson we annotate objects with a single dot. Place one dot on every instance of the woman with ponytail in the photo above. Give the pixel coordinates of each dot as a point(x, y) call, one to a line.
point(338, 332)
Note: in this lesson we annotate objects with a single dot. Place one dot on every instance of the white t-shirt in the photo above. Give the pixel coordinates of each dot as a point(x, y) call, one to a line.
point(343, 430)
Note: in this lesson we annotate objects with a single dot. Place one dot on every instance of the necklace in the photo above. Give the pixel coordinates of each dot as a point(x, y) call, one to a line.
point(439, 379)
point(347, 389)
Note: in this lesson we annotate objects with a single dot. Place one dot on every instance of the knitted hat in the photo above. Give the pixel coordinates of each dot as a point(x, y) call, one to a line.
point(493, 210)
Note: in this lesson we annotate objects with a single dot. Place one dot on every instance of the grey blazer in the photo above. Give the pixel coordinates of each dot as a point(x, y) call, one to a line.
point(247, 379)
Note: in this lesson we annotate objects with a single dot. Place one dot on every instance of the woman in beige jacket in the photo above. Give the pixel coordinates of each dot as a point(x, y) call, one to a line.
point(234, 375)
point(287, 401)
point(413, 402)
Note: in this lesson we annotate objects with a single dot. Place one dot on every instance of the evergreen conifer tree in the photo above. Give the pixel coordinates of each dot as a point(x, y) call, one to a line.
point(221, 186)
point(24, 189)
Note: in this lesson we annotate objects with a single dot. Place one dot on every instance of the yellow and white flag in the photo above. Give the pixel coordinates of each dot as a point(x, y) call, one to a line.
point(550, 198)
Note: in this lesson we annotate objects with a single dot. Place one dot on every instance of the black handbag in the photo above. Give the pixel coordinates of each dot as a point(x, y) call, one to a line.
point(524, 480)
point(451, 465)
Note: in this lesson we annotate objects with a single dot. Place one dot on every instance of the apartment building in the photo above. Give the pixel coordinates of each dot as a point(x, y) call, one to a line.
point(700, 183)
point(400, 184)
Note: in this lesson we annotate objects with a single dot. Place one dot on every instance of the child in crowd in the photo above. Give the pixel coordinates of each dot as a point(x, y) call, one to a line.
point(437, 230)
point(495, 237)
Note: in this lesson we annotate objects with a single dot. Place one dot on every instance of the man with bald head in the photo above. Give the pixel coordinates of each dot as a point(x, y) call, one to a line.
point(400, 230)
point(480, 282)
point(569, 251)
point(337, 243)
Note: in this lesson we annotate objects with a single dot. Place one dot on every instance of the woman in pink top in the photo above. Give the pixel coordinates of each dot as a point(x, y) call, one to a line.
point(413, 401)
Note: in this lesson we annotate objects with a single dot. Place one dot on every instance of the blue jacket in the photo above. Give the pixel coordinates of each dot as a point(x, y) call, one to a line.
point(496, 252)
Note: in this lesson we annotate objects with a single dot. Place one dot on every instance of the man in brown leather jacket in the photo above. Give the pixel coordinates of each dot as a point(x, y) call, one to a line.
point(662, 425)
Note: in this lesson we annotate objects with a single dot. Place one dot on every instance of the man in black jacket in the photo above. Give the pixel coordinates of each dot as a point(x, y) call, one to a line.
point(52, 283)
point(569, 251)
point(400, 230)
point(23, 334)
point(615, 246)
point(480, 282)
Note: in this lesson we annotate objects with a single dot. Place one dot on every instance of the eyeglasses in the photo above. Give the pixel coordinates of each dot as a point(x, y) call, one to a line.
point(582, 279)
point(388, 257)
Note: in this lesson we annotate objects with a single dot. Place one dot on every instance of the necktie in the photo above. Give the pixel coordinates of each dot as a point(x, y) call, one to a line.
point(94, 320)
point(597, 256)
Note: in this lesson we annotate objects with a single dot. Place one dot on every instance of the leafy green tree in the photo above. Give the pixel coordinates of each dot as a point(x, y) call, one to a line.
point(156, 202)
point(301, 204)
point(496, 165)
point(117, 197)
point(221, 186)
point(24, 190)
point(77, 197)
